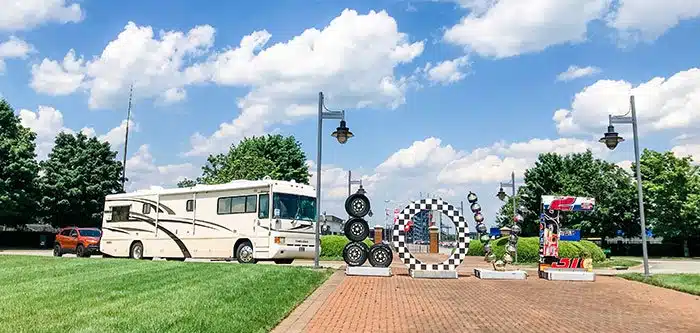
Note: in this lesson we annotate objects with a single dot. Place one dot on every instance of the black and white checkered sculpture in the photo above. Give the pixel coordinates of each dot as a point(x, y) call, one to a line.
point(452, 213)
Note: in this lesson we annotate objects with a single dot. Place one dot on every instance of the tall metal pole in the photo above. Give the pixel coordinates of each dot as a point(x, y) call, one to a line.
point(640, 194)
point(126, 137)
point(349, 180)
point(515, 210)
point(318, 181)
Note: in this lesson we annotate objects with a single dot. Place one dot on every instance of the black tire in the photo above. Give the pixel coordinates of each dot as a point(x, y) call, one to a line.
point(355, 253)
point(356, 229)
point(80, 251)
point(57, 251)
point(136, 251)
point(284, 261)
point(175, 259)
point(244, 253)
point(380, 255)
point(357, 205)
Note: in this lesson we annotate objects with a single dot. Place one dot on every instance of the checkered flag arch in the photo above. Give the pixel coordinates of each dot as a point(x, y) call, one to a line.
point(399, 235)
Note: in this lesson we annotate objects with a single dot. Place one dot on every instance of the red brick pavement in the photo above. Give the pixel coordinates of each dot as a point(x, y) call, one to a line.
point(467, 304)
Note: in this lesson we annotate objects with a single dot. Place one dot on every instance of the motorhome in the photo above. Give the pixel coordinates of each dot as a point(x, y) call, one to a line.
point(246, 220)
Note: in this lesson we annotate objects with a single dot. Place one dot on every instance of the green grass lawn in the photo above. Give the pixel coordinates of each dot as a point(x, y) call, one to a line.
point(46, 294)
point(613, 262)
point(689, 283)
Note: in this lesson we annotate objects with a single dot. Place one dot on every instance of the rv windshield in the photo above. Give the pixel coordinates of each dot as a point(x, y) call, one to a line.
point(294, 207)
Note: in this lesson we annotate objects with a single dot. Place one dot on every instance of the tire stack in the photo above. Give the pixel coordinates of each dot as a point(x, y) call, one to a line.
point(356, 252)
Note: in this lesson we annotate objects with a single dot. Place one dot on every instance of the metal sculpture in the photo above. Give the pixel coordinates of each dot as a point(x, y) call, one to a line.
point(356, 229)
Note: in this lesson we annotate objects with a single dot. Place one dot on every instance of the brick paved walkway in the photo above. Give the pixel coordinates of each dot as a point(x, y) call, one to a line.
point(467, 304)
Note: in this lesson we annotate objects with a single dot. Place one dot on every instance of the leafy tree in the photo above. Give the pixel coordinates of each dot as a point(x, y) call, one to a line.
point(78, 174)
point(18, 169)
point(581, 175)
point(186, 183)
point(672, 195)
point(254, 158)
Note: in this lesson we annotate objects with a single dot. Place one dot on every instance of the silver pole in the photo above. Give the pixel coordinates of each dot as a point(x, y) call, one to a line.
point(515, 211)
point(349, 180)
point(639, 187)
point(318, 182)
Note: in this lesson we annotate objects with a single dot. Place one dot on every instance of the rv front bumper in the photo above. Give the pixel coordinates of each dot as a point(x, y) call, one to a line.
point(301, 251)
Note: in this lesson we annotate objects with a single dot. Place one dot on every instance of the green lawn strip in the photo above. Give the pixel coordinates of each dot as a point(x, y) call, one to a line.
point(331, 258)
point(688, 283)
point(118, 295)
point(617, 262)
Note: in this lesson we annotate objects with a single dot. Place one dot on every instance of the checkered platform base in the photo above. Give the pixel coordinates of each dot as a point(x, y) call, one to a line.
point(399, 235)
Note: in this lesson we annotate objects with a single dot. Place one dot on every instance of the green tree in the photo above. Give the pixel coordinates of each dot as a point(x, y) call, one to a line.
point(18, 169)
point(78, 174)
point(672, 195)
point(186, 183)
point(581, 174)
point(256, 157)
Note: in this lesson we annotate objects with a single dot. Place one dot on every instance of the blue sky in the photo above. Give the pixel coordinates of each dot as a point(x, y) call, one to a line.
point(443, 96)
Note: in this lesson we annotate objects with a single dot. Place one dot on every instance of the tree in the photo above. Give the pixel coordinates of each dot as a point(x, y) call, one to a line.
point(254, 158)
point(186, 183)
point(672, 195)
point(77, 175)
point(581, 175)
point(18, 169)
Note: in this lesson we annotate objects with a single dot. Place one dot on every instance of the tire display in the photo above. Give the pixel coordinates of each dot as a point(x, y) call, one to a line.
point(355, 253)
point(380, 255)
point(356, 229)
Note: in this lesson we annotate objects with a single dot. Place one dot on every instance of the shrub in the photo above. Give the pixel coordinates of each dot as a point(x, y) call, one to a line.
point(528, 249)
point(332, 245)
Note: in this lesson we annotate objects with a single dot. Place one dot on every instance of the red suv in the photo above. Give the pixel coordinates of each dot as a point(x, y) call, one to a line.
point(81, 241)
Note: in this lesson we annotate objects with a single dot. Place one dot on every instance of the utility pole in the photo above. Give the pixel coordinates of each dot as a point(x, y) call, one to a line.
point(126, 137)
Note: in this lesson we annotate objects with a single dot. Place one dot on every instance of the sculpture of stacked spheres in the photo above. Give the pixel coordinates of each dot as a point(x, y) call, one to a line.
point(356, 230)
point(485, 239)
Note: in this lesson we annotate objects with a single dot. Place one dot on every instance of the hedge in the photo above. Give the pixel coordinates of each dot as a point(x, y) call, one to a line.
point(528, 249)
point(332, 245)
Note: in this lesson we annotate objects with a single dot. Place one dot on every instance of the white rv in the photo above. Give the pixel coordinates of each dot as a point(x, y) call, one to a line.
point(244, 219)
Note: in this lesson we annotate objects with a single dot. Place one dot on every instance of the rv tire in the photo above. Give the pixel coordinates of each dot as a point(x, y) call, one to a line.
point(136, 251)
point(284, 261)
point(244, 253)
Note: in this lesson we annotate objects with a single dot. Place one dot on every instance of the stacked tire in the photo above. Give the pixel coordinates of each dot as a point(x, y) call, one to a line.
point(357, 252)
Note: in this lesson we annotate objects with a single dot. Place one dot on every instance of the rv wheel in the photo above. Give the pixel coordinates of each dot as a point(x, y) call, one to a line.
point(244, 253)
point(136, 251)
point(380, 255)
point(356, 229)
point(355, 254)
point(284, 261)
point(357, 205)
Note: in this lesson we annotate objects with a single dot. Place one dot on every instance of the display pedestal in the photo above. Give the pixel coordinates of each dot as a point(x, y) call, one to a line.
point(433, 274)
point(367, 271)
point(489, 274)
point(568, 275)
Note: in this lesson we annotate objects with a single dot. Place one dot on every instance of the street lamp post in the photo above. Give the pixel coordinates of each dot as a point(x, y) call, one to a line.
point(611, 139)
point(342, 134)
point(502, 195)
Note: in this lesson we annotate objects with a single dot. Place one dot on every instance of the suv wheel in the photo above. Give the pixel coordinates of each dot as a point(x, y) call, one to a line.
point(80, 251)
point(136, 251)
point(57, 252)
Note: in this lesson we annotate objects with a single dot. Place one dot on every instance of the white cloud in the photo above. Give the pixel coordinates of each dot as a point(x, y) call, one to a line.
point(428, 153)
point(26, 14)
point(352, 60)
point(625, 165)
point(505, 28)
point(157, 66)
point(47, 122)
point(575, 72)
point(448, 71)
point(13, 48)
point(661, 104)
point(142, 171)
point(648, 20)
point(692, 150)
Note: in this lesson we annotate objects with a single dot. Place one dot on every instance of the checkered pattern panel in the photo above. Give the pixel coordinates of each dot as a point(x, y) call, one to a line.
point(399, 235)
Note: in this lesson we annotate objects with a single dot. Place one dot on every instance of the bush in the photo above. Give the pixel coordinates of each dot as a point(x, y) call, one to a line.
point(529, 247)
point(332, 245)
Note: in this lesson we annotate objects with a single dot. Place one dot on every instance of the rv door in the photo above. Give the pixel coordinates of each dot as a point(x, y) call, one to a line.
point(263, 222)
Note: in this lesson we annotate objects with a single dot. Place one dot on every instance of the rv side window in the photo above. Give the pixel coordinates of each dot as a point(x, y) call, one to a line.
point(264, 211)
point(238, 205)
point(223, 206)
point(251, 202)
point(189, 206)
point(120, 213)
point(146, 209)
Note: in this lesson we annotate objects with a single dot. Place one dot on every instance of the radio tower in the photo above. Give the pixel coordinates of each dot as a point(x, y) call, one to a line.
point(126, 136)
